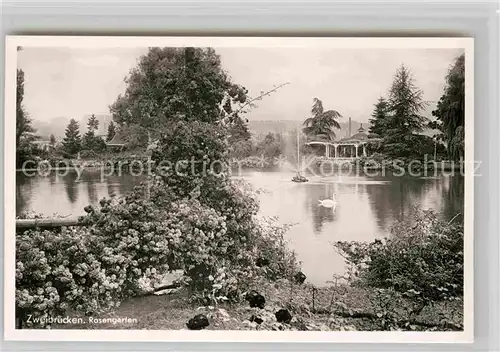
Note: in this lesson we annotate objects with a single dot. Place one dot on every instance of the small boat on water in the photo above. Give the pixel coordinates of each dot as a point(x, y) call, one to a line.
point(299, 178)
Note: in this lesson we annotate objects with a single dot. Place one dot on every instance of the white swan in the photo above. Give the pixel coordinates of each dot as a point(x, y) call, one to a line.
point(328, 203)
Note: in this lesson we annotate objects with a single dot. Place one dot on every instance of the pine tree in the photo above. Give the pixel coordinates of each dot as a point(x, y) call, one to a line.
point(72, 139)
point(404, 119)
point(90, 140)
point(92, 125)
point(111, 131)
point(379, 116)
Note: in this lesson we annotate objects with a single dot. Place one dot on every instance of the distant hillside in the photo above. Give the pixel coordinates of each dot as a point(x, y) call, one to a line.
point(57, 126)
point(262, 127)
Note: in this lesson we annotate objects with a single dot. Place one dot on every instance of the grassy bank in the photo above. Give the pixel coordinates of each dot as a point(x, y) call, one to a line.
point(336, 308)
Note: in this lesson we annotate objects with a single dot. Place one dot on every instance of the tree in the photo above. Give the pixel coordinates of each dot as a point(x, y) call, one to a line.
point(90, 141)
point(379, 116)
point(239, 139)
point(322, 123)
point(404, 120)
point(71, 143)
point(25, 133)
point(92, 125)
point(52, 141)
point(450, 111)
point(176, 84)
point(238, 131)
point(111, 131)
point(270, 147)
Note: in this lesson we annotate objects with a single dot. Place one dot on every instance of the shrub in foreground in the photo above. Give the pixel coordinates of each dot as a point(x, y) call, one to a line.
point(421, 262)
point(128, 244)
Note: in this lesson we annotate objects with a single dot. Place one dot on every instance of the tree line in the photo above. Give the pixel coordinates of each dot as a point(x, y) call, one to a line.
point(157, 95)
point(89, 144)
point(397, 119)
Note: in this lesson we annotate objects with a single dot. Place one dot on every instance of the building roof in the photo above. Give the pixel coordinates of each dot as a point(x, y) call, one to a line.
point(360, 136)
point(118, 139)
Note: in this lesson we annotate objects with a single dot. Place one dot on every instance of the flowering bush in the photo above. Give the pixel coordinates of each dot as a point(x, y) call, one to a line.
point(129, 243)
point(422, 260)
point(193, 219)
point(205, 184)
point(56, 270)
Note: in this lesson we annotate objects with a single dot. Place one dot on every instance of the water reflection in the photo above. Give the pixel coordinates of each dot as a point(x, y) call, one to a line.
point(70, 185)
point(453, 197)
point(24, 190)
point(392, 201)
point(367, 206)
point(68, 193)
point(320, 215)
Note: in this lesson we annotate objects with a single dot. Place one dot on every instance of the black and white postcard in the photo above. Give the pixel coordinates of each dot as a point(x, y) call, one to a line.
point(239, 189)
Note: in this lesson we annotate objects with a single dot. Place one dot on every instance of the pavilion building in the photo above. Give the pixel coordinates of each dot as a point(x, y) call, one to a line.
point(350, 147)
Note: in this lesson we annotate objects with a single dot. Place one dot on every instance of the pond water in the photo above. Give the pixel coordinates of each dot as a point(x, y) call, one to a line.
point(367, 205)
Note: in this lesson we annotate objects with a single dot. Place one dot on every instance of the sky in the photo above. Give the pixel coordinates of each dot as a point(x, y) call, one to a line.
point(74, 82)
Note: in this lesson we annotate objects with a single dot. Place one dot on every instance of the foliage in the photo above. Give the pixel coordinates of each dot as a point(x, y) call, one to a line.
point(238, 131)
point(241, 149)
point(72, 141)
point(52, 141)
point(92, 125)
point(270, 148)
point(135, 137)
point(128, 244)
point(332, 308)
point(190, 155)
point(322, 123)
point(189, 216)
point(205, 179)
point(450, 111)
point(402, 121)
point(111, 131)
point(91, 142)
point(379, 117)
point(60, 270)
point(411, 147)
point(422, 260)
point(88, 154)
point(405, 103)
point(177, 84)
point(25, 133)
